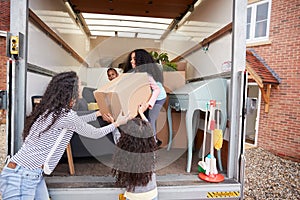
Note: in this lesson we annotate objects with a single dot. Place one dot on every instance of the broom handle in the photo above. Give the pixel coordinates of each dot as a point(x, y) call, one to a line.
point(212, 114)
point(218, 115)
point(204, 134)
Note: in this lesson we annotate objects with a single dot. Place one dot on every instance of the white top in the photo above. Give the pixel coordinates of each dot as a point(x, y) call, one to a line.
point(36, 149)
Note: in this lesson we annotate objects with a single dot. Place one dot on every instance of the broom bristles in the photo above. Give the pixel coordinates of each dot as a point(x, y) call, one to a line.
point(218, 139)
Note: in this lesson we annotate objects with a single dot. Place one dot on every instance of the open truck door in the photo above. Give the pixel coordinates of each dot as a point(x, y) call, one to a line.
point(25, 69)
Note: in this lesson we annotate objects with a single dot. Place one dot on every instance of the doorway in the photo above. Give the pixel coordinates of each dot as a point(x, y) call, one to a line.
point(253, 108)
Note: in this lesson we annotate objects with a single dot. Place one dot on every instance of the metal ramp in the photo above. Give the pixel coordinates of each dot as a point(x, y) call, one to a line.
point(171, 187)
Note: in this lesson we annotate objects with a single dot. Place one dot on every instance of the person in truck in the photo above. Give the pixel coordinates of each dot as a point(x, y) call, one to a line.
point(139, 60)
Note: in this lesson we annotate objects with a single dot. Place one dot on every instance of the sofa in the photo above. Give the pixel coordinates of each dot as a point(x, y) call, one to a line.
point(86, 147)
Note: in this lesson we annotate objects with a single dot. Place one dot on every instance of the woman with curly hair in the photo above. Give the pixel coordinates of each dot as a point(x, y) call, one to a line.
point(47, 132)
point(139, 60)
point(134, 160)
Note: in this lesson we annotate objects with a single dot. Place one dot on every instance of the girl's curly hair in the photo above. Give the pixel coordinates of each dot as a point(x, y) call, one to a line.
point(134, 158)
point(60, 92)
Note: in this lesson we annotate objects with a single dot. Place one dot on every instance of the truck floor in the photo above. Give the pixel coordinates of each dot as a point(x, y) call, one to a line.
point(171, 162)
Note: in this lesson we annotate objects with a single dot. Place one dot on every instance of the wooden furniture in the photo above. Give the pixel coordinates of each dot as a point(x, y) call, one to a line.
point(70, 159)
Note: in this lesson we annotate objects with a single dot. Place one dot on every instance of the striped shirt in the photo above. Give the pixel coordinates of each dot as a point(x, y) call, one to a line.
point(36, 149)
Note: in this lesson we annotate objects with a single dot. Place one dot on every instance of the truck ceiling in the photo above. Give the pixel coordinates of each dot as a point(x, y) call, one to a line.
point(148, 19)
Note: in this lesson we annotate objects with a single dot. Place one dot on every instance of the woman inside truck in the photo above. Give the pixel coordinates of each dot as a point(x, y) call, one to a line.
point(140, 60)
point(47, 132)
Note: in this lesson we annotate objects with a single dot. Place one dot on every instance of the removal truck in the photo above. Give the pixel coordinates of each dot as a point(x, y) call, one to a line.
point(208, 39)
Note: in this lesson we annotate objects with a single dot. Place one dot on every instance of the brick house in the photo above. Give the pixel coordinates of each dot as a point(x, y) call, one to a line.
point(274, 35)
point(279, 46)
point(4, 27)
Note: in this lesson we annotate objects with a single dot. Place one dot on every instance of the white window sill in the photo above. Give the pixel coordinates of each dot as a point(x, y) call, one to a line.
point(258, 43)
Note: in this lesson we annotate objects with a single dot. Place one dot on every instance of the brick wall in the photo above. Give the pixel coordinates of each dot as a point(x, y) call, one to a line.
point(3, 60)
point(4, 26)
point(279, 130)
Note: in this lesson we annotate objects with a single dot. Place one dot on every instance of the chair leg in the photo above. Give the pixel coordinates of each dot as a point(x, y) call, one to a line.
point(70, 159)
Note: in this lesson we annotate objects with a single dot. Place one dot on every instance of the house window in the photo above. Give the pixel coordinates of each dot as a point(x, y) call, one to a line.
point(258, 21)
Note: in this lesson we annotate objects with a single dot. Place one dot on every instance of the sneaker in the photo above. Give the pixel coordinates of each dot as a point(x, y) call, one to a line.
point(158, 143)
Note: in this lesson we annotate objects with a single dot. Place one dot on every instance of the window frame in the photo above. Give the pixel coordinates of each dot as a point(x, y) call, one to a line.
point(252, 30)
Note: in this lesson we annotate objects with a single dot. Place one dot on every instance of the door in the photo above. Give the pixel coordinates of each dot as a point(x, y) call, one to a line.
point(253, 102)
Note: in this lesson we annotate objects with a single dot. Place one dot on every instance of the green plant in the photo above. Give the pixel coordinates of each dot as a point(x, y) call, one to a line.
point(163, 58)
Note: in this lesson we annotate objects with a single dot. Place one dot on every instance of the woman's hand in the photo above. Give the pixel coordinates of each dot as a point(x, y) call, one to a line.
point(108, 117)
point(122, 119)
point(143, 107)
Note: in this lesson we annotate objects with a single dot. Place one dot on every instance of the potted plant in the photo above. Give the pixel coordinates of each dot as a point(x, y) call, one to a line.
point(163, 59)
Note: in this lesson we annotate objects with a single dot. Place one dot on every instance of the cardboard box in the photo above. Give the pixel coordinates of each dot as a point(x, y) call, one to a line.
point(173, 80)
point(125, 93)
point(181, 66)
point(179, 128)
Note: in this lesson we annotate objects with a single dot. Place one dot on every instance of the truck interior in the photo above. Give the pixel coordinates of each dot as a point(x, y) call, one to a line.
point(90, 36)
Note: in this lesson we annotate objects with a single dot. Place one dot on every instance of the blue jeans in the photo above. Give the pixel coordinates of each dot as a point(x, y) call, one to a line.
point(154, 112)
point(23, 184)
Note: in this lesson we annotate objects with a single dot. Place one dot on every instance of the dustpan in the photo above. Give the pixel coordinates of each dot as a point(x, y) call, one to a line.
point(218, 133)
